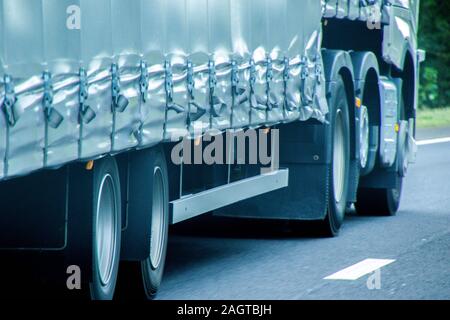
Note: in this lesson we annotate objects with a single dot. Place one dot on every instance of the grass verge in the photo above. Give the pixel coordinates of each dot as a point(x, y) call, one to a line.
point(433, 118)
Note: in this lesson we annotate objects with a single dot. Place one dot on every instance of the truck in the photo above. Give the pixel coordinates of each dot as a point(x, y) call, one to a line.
point(114, 115)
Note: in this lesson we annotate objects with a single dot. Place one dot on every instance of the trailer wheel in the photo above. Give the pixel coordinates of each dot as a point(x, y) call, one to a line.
point(106, 229)
point(94, 228)
point(340, 161)
point(153, 267)
point(364, 138)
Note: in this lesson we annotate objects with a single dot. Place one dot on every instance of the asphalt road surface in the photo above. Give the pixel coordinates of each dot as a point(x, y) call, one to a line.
point(212, 258)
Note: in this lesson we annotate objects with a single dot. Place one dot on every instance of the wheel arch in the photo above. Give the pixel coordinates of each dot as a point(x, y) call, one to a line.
point(338, 64)
point(367, 77)
point(409, 83)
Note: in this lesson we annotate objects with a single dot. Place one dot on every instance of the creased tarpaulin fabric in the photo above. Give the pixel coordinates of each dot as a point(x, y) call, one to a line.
point(132, 74)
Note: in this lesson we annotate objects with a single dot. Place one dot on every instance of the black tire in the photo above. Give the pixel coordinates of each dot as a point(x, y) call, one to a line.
point(386, 201)
point(379, 202)
point(95, 227)
point(340, 161)
point(152, 268)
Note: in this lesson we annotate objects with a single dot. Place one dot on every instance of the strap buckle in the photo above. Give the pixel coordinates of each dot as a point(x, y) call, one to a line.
point(304, 65)
point(143, 80)
point(53, 117)
point(190, 79)
point(86, 112)
point(234, 75)
point(252, 76)
point(269, 72)
point(170, 105)
point(318, 73)
point(286, 70)
point(168, 81)
point(212, 81)
point(9, 101)
point(200, 111)
point(119, 101)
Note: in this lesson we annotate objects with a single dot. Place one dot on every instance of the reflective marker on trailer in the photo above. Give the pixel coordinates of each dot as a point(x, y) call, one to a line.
point(90, 165)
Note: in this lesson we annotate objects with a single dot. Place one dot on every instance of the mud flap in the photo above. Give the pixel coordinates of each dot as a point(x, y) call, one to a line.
point(305, 152)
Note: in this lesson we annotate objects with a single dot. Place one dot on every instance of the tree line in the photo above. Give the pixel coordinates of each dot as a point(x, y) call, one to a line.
point(434, 37)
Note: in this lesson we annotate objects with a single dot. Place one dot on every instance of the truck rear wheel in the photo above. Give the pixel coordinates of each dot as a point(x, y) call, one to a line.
point(379, 202)
point(340, 161)
point(153, 267)
point(386, 201)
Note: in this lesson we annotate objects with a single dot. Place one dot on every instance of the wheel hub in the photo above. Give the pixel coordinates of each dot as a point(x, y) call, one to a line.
point(364, 137)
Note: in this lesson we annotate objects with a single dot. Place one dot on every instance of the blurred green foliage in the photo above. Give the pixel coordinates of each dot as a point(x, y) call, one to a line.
point(434, 37)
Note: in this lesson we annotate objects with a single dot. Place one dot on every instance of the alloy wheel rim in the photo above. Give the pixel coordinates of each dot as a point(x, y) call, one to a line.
point(364, 137)
point(158, 220)
point(106, 230)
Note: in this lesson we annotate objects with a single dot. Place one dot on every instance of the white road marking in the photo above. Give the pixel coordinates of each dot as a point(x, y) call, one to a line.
point(360, 269)
point(433, 141)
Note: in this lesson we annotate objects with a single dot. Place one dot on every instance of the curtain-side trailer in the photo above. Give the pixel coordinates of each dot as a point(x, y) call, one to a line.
point(111, 108)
